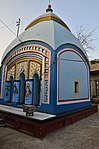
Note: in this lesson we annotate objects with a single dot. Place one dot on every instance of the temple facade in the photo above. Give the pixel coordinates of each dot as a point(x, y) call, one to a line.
point(46, 66)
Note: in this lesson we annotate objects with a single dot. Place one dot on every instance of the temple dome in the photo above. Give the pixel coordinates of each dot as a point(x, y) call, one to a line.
point(47, 17)
point(47, 28)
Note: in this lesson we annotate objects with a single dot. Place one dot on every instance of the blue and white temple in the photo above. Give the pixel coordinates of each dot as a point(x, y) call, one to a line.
point(46, 66)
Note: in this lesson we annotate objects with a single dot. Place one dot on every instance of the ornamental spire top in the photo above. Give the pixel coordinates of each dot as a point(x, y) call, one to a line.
point(49, 8)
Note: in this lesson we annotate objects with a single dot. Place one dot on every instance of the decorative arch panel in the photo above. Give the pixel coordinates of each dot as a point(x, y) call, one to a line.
point(30, 59)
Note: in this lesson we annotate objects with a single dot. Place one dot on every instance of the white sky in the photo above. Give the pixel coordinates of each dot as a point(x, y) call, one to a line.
point(73, 12)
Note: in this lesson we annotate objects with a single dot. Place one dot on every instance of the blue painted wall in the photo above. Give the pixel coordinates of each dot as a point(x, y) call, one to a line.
point(72, 68)
point(52, 107)
point(70, 71)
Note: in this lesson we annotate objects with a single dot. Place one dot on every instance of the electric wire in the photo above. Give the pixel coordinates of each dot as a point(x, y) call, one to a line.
point(7, 25)
point(10, 30)
point(68, 60)
point(72, 60)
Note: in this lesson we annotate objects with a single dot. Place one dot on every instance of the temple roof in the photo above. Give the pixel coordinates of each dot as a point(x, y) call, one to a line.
point(47, 28)
point(47, 17)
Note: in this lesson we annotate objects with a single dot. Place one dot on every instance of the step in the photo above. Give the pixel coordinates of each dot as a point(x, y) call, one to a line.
point(2, 122)
point(2, 125)
point(0, 114)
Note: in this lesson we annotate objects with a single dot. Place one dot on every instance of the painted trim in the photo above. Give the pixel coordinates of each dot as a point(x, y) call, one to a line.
point(73, 101)
point(27, 48)
point(65, 101)
point(25, 56)
point(47, 18)
point(75, 47)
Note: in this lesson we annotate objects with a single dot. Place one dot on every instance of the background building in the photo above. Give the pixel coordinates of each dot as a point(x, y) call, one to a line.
point(94, 72)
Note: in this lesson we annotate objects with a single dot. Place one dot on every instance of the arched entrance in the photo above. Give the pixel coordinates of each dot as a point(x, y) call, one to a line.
point(11, 94)
point(22, 87)
point(36, 89)
point(11, 78)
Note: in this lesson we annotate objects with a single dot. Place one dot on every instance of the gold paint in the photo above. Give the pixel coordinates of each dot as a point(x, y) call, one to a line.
point(10, 72)
point(15, 71)
point(29, 48)
point(9, 66)
point(47, 18)
point(20, 67)
point(28, 69)
point(28, 60)
point(23, 59)
point(10, 58)
point(46, 77)
point(34, 66)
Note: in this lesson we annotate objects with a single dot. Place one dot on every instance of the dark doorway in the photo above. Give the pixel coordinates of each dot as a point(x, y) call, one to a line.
point(22, 88)
point(36, 89)
point(11, 79)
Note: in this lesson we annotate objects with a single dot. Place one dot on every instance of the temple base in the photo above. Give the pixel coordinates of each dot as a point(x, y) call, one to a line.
point(41, 124)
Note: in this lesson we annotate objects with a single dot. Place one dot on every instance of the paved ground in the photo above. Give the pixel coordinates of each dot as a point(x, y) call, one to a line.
point(84, 134)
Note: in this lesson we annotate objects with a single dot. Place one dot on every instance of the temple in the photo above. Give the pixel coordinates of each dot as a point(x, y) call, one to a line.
point(46, 66)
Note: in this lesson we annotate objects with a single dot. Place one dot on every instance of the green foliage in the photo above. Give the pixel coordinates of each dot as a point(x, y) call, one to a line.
point(96, 61)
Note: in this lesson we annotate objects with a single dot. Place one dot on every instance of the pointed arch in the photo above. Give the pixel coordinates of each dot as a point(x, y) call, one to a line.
point(11, 79)
point(36, 89)
point(22, 87)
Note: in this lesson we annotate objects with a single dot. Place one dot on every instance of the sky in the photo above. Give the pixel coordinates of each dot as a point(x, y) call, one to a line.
point(73, 12)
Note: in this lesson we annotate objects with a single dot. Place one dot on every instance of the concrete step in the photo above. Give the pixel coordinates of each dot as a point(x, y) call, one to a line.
point(1, 116)
point(2, 125)
point(2, 122)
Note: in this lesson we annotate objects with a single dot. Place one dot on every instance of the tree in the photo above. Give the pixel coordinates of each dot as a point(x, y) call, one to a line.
point(85, 36)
